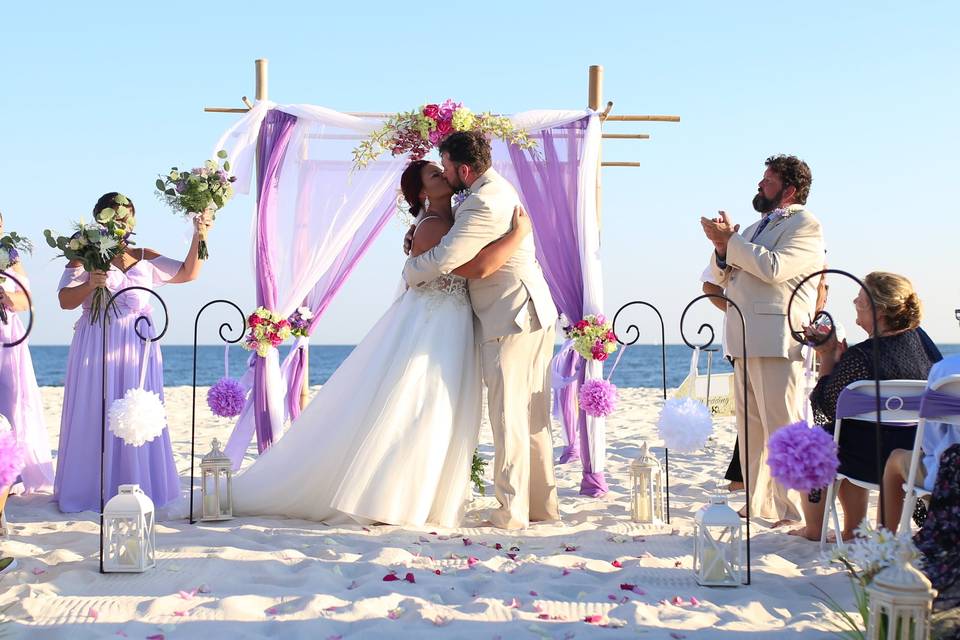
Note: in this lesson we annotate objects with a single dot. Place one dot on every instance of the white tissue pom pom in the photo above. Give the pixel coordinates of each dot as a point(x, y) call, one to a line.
point(138, 417)
point(684, 424)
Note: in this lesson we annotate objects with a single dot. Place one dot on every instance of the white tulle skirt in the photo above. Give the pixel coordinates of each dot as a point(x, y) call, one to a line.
point(390, 437)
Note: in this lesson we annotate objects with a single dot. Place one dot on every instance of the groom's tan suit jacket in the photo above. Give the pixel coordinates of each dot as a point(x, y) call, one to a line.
point(499, 300)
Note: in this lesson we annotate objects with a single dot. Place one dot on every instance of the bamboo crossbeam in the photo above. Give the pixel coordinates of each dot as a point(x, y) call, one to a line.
point(619, 164)
point(637, 118)
point(225, 110)
point(626, 136)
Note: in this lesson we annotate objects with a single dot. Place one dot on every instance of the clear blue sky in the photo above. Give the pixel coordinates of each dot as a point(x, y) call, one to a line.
point(101, 96)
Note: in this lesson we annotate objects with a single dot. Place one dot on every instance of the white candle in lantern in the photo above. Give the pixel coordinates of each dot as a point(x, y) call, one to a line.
point(713, 565)
point(210, 506)
point(131, 552)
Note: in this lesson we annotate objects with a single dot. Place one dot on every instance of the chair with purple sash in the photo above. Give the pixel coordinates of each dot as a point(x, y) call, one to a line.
point(899, 406)
point(941, 403)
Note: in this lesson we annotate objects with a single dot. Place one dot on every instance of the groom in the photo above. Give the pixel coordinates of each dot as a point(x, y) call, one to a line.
point(514, 320)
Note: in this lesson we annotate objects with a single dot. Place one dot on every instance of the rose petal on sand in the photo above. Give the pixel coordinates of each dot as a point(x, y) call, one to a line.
point(272, 611)
point(390, 577)
point(179, 614)
point(534, 593)
point(467, 542)
point(694, 601)
point(677, 600)
point(93, 613)
point(187, 595)
point(409, 578)
point(617, 564)
point(472, 561)
point(37, 571)
point(594, 619)
point(498, 546)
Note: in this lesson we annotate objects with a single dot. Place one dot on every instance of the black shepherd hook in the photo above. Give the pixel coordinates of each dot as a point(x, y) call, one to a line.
point(663, 367)
point(6, 274)
point(816, 341)
point(103, 395)
point(193, 407)
point(746, 414)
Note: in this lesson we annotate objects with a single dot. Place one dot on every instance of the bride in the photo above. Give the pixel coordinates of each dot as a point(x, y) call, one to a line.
point(390, 437)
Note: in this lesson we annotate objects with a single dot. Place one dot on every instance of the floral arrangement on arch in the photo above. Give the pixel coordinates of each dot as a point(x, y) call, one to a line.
point(592, 337)
point(417, 132)
point(268, 330)
point(11, 245)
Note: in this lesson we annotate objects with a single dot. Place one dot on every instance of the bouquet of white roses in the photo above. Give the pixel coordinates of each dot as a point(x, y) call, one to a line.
point(11, 245)
point(193, 192)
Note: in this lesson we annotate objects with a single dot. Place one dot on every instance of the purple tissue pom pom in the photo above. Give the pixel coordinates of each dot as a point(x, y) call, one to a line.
point(226, 398)
point(598, 398)
point(802, 458)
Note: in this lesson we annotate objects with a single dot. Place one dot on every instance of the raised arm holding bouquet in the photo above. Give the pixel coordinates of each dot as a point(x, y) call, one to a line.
point(202, 190)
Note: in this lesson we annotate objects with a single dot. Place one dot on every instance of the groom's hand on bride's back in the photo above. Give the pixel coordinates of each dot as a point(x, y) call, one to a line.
point(408, 239)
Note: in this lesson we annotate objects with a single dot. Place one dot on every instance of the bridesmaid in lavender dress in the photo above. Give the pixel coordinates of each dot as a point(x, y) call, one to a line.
point(20, 400)
point(151, 465)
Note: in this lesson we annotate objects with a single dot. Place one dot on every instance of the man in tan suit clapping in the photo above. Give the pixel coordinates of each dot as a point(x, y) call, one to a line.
point(759, 269)
point(514, 319)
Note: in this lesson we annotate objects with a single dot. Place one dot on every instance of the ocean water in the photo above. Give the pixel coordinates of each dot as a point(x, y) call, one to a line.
point(639, 367)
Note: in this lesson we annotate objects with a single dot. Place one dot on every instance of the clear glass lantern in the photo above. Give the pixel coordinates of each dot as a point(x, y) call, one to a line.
point(718, 545)
point(216, 487)
point(900, 599)
point(646, 488)
point(129, 541)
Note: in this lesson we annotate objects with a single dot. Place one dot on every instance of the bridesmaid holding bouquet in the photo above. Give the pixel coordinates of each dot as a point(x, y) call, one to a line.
point(20, 400)
point(150, 465)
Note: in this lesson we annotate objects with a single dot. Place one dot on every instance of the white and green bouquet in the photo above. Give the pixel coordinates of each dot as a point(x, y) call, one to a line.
point(94, 246)
point(11, 246)
point(193, 192)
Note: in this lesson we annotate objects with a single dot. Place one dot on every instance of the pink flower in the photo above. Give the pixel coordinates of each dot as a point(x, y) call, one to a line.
point(581, 324)
point(435, 137)
point(254, 320)
point(611, 336)
point(431, 111)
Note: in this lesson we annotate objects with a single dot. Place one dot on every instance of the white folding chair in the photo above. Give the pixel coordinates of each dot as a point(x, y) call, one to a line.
point(941, 403)
point(899, 406)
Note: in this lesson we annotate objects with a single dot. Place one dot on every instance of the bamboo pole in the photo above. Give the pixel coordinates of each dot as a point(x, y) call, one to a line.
point(261, 86)
point(626, 136)
point(305, 389)
point(594, 98)
point(636, 118)
point(619, 164)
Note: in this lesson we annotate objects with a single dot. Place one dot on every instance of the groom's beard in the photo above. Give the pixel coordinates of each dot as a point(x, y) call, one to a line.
point(763, 204)
point(456, 183)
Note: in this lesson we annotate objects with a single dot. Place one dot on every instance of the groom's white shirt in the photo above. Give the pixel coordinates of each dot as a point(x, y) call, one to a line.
point(499, 300)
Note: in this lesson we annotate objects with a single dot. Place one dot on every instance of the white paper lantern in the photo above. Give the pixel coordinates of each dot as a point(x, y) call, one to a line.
point(217, 484)
point(900, 599)
point(718, 545)
point(646, 488)
point(129, 542)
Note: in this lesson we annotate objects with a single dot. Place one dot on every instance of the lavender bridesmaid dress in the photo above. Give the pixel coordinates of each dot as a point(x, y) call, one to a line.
point(151, 465)
point(20, 401)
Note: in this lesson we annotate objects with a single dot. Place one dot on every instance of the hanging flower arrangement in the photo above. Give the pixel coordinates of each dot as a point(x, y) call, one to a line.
point(417, 132)
point(268, 330)
point(592, 337)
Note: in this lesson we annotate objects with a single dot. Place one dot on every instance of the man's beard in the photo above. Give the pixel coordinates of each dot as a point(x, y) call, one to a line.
point(456, 183)
point(763, 204)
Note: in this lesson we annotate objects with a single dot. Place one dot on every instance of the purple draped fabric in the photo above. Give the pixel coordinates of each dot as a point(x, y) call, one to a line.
point(854, 403)
point(274, 136)
point(936, 404)
point(548, 183)
point(322, 294)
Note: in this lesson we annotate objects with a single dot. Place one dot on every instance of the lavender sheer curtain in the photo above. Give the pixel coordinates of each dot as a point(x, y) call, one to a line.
point(550, 182)
point(274, 138)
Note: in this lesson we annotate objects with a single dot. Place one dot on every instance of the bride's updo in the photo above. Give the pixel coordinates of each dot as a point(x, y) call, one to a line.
point(411, 184)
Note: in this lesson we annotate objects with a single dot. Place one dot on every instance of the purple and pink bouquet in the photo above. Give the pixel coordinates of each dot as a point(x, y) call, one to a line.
point(417, 132)
point(593, 337)
point(267, 331)
point(299, 322)
point(193, 192)
point(11, 245)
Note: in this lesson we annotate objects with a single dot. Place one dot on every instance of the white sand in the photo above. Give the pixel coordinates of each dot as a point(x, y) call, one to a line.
point(266, 577)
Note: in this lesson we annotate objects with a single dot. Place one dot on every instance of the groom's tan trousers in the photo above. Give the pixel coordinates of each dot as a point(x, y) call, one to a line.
point(516, 370)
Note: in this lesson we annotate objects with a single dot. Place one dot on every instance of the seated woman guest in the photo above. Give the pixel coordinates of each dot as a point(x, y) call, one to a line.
point(903, 356)
point(77, 486)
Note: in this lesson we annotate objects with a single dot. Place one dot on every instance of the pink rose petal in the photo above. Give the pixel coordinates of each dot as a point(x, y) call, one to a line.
point(694, 601)
point(544, 616)
point(93, 613)
point(677, 600)
point(272, 611)
point(514, 604)
point(390, 577)
point(179, 614)
point(409, 578)
point(37, 571)
point(595, 618)
point(611, 597)
point(565, 572)
point(498, 546)
point(512, 556)
point(156, 636)
point(617, 564)
point(187, 595)
point(534, 594)
point(467, 542)
point(437, 571)
point(569, 548)
point(472, 561)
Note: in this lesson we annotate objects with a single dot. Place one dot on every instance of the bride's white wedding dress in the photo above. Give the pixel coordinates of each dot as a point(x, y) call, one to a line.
point(390, 437)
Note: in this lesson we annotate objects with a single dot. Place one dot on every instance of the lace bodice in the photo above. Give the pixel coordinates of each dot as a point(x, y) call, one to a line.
point(446, 287)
